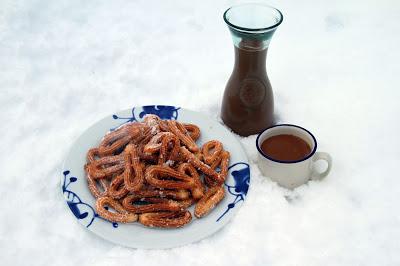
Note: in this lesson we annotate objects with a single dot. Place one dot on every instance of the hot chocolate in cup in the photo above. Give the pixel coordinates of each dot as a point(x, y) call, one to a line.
point(287, 155)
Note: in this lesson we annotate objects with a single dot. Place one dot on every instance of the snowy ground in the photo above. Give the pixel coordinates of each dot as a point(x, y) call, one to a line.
point(334, 66)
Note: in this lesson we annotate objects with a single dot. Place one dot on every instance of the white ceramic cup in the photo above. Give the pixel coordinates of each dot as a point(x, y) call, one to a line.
point(291, 174)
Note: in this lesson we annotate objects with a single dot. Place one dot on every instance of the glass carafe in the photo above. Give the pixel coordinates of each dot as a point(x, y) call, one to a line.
point(248, 103)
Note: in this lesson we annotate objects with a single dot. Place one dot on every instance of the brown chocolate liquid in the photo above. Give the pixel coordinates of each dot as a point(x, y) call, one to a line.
point(285, 148)
point(248, 104)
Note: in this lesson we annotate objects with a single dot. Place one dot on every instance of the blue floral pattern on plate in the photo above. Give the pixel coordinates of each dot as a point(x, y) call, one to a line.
point(241, 176)
point(163, 111)
point(80, 209)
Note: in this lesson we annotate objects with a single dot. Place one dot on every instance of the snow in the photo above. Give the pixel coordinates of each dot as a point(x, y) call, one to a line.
point(334, 68)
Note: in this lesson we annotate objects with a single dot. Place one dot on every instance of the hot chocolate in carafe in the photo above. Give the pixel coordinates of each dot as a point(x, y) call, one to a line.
point(248, 103)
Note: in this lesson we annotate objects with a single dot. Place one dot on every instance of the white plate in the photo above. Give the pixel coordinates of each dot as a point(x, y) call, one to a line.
point(81, 202)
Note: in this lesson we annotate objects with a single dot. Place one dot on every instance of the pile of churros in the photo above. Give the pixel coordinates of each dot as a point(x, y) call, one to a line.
point(151, 172)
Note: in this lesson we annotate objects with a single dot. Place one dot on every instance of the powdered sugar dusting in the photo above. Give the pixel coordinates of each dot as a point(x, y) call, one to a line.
point(154, 130)
point(169, 163)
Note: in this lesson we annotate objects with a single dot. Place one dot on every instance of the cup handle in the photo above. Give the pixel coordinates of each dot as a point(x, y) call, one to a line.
point(321, 156)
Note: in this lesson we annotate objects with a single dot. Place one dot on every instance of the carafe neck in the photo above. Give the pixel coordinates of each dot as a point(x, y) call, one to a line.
point(250, 60)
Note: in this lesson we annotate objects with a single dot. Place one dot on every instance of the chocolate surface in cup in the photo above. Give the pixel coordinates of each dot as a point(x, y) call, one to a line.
point(285, 147)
